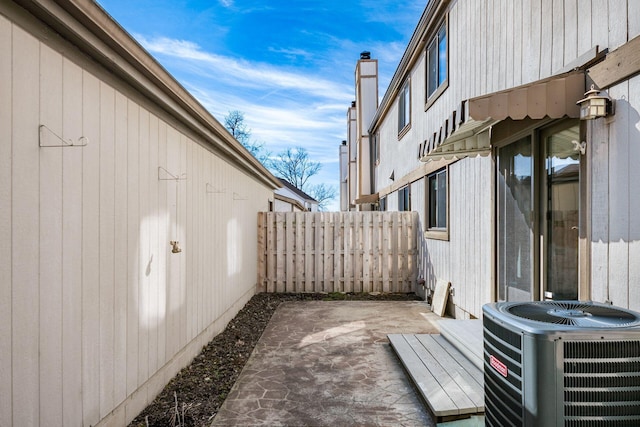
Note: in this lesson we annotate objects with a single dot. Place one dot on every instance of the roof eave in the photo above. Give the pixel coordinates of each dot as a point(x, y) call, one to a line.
point(90, 28)
point(429, 18)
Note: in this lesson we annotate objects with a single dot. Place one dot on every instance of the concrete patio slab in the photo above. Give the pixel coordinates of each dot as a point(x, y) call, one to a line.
point(330, 364)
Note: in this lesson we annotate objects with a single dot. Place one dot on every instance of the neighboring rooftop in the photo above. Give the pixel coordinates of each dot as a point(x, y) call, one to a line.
point(300, 193)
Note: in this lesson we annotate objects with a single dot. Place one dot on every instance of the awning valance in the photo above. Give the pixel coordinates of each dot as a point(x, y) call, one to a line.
point(466, 132)
point(470, 139)
point(458, 137)
point(554, 97)
point(368, 198)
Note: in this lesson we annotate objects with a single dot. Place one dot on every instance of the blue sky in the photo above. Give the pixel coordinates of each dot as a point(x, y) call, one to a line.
point(287, 65)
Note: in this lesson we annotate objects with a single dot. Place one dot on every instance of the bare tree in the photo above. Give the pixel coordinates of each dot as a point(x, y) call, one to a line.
point(294, 165)
point(323, 193)
point(234, 122)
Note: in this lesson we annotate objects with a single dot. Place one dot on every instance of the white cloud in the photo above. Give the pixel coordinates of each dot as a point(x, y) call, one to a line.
point(244, 73)
point(292, 52)
point(281, 107)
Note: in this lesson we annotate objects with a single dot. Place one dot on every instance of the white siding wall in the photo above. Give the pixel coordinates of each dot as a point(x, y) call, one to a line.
point(96, 313)
point(6, 257)
point(495, 45)
point(466, 259)
point(282, 206)
point(615, 205)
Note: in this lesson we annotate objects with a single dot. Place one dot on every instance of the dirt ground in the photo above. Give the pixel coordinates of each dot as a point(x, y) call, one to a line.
point(195, 394)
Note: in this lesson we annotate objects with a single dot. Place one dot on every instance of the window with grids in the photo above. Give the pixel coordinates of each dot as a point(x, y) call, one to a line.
point(404, 107)
point(437, 59)
point(437, 199)
point(404, 199)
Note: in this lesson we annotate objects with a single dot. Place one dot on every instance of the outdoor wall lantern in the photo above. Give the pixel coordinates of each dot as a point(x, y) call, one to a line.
point(595, 104)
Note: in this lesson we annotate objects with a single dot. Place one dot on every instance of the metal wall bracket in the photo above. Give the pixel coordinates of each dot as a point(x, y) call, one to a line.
point(165, 175)
point(49, 138)
point(210, 189)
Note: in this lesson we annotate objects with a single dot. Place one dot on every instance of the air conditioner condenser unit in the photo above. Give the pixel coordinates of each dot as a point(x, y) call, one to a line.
point(561, 363)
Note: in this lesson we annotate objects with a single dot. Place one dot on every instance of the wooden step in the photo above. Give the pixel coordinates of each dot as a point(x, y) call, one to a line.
point(448, 382)
point(466, 336)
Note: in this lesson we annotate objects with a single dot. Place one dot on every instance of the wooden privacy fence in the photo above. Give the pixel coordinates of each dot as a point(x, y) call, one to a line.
point(337, 251)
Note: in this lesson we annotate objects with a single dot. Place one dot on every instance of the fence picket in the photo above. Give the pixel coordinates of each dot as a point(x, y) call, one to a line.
point(386, 258)
point(270, 253)
point(262, 220)
point(290, 254)
point(328, 252)
point(395, 261)
point(280, 252)
point(318, 249)
point(298, 280)
point(347, 251)
point(357, 254)
point(375, 252)
point(308, 253)
point(338, 283)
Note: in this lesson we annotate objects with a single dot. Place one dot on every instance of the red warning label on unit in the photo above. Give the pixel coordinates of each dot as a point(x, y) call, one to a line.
point(499, 366)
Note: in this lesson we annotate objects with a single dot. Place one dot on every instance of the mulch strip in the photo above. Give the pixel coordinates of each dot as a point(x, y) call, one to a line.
point(194, 396)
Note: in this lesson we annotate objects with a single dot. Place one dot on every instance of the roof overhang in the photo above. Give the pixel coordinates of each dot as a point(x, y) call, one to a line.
point(292, 202)
point(467, 131)
point(431, 17)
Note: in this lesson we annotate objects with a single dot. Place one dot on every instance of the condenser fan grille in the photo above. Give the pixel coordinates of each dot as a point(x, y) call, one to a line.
point(576, 313)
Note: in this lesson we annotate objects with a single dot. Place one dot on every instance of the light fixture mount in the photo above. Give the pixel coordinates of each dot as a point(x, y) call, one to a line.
point(595, 104)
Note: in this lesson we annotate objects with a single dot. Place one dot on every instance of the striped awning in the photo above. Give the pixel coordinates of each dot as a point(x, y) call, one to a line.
point(367, 198)
point(467, 130)
point(554, 97)
point(470, 139)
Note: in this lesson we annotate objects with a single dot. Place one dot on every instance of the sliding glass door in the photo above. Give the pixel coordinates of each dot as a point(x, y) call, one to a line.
point(560, 206)
point(538, 184)
point(515, 222)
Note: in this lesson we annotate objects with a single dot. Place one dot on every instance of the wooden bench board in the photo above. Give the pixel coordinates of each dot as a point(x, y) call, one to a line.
point(447, 381)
